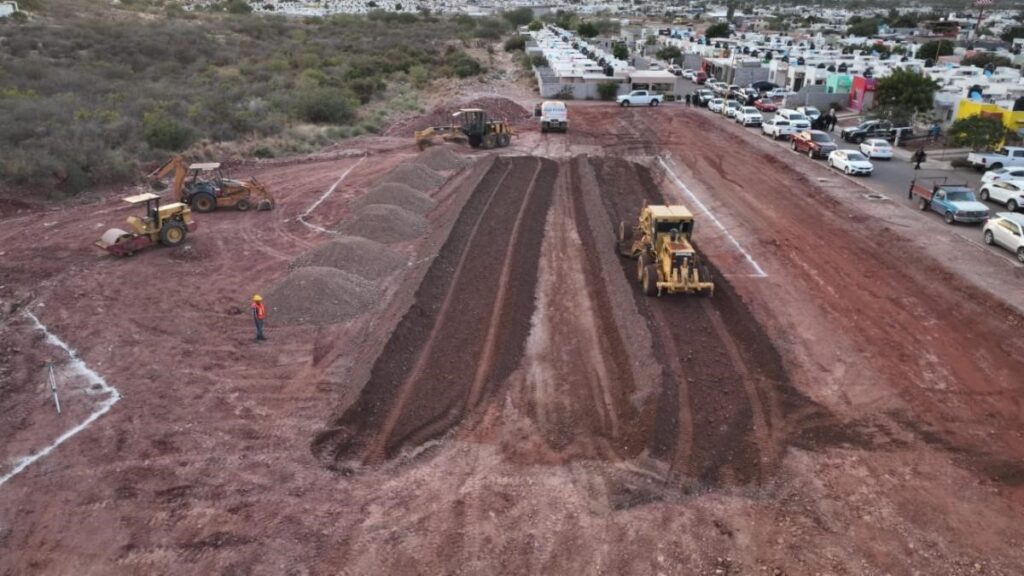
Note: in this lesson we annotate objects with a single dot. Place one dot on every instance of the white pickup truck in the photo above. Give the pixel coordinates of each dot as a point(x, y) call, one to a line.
point(1005, 158)
point(640, 98)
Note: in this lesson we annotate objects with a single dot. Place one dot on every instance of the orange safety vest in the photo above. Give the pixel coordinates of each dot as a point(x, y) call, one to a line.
point(259, 310)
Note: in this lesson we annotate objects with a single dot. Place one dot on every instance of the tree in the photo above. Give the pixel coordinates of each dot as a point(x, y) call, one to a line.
point(165, 133)
point(620, 51)
point(519, 16)
point(982, 59)
point(535, 26)
point(720, 30)
point(238, 7)
point(904, 93)
point(514, 43)
point(1011, 33)
point(586, 30)
point(978, 132)
point(669, 53)
point(868, 27)
point(932, 50)
point(607, 90)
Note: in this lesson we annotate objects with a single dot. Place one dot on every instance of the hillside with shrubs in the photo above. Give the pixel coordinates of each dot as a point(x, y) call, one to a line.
point(90, 91)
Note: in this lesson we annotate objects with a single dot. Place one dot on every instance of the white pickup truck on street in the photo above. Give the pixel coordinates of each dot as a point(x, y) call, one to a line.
point(1005, 158)
point(640, 98)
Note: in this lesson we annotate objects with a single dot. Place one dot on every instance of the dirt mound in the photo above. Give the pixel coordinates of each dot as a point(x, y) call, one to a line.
point(385, 223)
point(366, 258)
point(319, 295)
point(497, 108)
point(441, 158)
point(398, 195)
point(415, 176)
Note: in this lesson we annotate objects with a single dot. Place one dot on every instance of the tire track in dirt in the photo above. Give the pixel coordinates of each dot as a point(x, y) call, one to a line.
point(441, 361)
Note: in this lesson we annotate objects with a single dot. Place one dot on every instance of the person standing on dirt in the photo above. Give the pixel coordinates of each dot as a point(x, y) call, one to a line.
point(259, 314)
point(919, 157)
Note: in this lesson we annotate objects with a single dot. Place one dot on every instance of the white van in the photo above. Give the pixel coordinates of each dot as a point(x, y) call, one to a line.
point(554, 116)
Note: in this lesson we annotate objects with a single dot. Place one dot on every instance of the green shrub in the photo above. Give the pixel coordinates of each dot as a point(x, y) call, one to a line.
point(607, 90)
point(323, 106)
point(514, 43)
point(539, 60)
point(419, 76)
point(463, 65)
point(165, 133)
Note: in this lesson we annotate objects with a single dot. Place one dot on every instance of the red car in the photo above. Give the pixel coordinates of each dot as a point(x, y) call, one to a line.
point(766, 105)
point(700, 77)
point(815, 143)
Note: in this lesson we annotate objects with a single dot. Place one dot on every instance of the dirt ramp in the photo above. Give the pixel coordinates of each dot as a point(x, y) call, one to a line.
point(385, 223)
point(441, 158)
point(415, 176)
point(398, 195)
point(354, 255)
point(319, 295)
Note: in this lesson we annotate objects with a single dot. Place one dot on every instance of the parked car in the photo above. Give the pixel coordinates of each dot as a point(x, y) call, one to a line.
point(1010, 193)
point(955, 202)
point(716, 105)
point(1002, 174)
point(811, 112)
point(874, 129)
point(640, 98)
point(778, 128)
point(851, 162)
point(749, 116)
point(674, 69)
point(689, 74)
point(704, 96)
point(700, 77)
point(1008, 156)
point(798, 120)
point(779, 93)
point(1006, 229)
point(876, 148)
point(766, 104)
point(652, 65)
point(731, 108)
point(815, 143)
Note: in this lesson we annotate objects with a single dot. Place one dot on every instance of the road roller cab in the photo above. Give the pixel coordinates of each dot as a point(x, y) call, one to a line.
point(168, 225)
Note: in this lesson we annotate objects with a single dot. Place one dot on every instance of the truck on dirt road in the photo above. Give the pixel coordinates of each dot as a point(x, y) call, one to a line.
point(955, 202)
point(1005, 158)
point(640, 98)
point(554, 116)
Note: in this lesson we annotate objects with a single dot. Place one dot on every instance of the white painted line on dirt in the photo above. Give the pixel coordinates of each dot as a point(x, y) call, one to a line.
point(325, 196)
point(94, 379)
point(759, 273)
point(987, 249)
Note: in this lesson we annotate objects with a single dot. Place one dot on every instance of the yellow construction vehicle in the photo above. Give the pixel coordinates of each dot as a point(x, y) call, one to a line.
point(472, 125)
point(204, 187)
point(666, 260)
point(169, 225)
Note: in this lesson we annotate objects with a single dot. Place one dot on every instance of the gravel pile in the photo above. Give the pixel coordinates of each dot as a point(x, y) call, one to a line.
point(415, 176)
point(398, 195)
point(441, 158)
point(385, 223)
point(318, 295)
point(354, 255)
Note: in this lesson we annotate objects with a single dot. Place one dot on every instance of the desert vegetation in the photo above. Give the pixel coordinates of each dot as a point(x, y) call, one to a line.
point(89, 92)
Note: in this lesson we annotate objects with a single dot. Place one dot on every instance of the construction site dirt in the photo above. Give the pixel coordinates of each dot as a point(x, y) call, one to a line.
point(506, 400)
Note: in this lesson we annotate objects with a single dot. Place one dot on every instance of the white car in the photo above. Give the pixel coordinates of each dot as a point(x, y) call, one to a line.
point(850, 162)
point(1008, 192)
point(876, 148)
point(689, 74)
point(810, 111)
point(749, 116)
point(716, 105)
point(731, 108)
point(1003, 174)
point(777, 128)
point(798, 120)
point(1006, 229)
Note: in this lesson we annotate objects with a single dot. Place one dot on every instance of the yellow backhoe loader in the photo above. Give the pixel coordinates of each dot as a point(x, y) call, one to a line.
point(204, 187)
point(666, 260)
point(473, 126)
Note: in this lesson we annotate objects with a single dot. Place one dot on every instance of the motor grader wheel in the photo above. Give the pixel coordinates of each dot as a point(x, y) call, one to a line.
point(504, 140)
point(705, 276)
point(650, 280)
point(641, 264)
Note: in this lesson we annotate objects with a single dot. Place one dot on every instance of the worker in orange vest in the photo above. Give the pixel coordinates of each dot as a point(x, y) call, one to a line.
point(259, 313)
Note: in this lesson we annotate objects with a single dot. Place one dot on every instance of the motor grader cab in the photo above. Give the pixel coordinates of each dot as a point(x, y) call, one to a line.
point(473, 125)
point(204, 187)
point(666, 258)
point(168, 225)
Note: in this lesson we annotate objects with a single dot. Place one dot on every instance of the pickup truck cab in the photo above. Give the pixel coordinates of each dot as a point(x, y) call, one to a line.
point(777, 128)
point(1008, 156)
point(749, 116)
point(874, 129)
point(815, 143)
point(554, 116)
point(640, 98)
point(955, 202)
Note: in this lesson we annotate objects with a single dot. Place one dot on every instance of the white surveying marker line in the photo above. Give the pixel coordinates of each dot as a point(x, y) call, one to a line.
point(325, 196)
point(759, 273)
point(94, 379)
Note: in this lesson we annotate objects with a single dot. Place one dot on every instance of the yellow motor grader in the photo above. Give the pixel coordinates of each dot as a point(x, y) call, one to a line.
point(666, 260)
point(472, 125)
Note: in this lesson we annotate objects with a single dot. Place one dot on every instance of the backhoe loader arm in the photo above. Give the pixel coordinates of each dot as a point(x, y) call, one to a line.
point(177, 165)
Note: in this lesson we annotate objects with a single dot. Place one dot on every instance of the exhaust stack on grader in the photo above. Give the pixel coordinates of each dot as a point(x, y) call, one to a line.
point(666, 260)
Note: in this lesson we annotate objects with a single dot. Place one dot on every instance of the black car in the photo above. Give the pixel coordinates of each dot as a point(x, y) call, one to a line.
point(703, 97)
point(875, 129)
